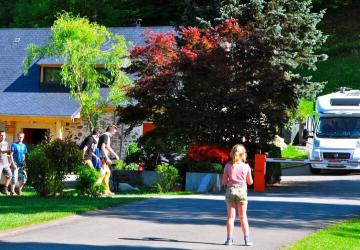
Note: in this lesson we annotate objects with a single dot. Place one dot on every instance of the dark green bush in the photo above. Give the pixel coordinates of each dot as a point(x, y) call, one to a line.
point(205, 167)
point(49, 163)
point(155, 143)
point(134, 153)
point(273, 170)
point(86, 181)
point(167, 177)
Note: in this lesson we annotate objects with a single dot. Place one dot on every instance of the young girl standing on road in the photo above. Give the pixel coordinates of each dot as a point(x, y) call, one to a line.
point(237, 174)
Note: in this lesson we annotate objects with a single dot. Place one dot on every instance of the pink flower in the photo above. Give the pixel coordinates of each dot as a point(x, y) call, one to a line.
point(140, 168)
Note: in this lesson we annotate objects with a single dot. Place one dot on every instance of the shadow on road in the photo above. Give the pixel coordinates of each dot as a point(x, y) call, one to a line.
point(262, 213)
point(60, 246)
point(155, 239)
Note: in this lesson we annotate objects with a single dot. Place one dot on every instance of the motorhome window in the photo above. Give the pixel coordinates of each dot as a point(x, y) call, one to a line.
point(345, 102)
point(338, 127)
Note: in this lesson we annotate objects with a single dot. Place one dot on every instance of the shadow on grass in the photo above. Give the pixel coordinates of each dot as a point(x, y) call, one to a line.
point(349, 230)
point(30, 203)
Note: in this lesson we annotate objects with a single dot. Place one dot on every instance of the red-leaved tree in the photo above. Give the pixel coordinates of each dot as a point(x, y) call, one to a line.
point(210, 86)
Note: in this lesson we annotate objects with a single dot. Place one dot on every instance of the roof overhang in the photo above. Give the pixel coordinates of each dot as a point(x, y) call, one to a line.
point(22, 118)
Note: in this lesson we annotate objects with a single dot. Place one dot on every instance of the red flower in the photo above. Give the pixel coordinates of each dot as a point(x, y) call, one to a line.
point(140, 168)
point(212, 153)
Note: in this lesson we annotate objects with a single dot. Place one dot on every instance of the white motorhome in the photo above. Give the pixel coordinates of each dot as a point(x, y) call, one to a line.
point(336, 135)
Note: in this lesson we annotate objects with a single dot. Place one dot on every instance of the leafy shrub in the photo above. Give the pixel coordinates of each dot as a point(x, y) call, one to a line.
point(205, 167)
point(119, 165)
point(132, 166)
point(86, 182)
point(132, 149)
point(133, 153)
point(48, 164)
point(167, 177)
point(273, 170)
point(155, 143)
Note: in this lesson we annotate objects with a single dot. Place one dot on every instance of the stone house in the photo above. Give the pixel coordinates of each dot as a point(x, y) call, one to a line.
point(37, 104)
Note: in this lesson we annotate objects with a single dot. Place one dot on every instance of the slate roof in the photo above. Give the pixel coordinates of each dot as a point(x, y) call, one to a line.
point(22, 95)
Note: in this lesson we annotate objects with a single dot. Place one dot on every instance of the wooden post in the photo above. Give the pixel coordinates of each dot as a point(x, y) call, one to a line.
point(260, 170)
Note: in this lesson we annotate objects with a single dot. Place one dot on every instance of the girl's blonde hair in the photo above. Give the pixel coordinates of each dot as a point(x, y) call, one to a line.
point(238, 153)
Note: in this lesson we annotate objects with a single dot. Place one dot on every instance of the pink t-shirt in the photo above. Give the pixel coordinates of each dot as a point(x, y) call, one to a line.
point(236, 175)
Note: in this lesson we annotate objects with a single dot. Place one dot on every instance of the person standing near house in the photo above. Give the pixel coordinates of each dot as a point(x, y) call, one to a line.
point(18, 153)
point(104, 146)
point(236, 175)
point(5, 155)
point(89, 145)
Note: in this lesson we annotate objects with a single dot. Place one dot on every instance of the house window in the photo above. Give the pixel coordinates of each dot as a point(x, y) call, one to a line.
point(52, 76)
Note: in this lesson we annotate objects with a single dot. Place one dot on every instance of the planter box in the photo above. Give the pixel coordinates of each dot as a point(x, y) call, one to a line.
point(203, 182)
point(134, 177)
point(124, 176)
point(149, 177)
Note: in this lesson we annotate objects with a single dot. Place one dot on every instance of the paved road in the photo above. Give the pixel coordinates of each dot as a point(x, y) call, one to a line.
point(300, 205)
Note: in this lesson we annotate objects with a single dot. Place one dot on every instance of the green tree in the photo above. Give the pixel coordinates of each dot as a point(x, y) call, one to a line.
point(80, 44)
point(331, 3)
point(105, 12)
point(6, 16)
point(201, 12)
point(289, 26)
point(42, 14)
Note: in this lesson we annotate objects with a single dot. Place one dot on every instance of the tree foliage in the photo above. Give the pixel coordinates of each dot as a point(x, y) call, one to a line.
point(331, 3)
point(201, 12)
point(215, 85)
point(109, 13)
point(121, 12)
point(80, 44)
point(289, 26)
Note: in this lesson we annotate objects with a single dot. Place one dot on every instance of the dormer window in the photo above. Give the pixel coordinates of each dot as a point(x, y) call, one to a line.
point(52, 76)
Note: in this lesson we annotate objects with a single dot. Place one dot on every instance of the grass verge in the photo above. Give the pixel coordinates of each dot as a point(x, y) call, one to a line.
point(16, 211)
point(293, 152)
point(341, 236)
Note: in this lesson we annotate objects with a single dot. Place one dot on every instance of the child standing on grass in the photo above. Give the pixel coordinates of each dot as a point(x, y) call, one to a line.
point(237, 174)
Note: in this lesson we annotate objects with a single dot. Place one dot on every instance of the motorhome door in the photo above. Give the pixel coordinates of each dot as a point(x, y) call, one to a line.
point(310, 127)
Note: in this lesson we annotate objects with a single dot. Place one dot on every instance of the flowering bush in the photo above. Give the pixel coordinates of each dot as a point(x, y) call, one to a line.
point(208, 153)
point(121, 165)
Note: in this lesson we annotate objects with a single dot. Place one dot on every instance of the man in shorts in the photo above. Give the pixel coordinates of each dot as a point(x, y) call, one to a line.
point(105, 148)
point(18, 152)
point(4, 162)
point(88, 147)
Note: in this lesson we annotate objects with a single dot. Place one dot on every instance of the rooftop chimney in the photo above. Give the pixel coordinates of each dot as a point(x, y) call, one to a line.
point(138, 22)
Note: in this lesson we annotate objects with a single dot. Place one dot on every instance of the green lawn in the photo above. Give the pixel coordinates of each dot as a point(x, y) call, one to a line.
point(340, 70)
point(341, 236)
point(16, 211)
point(294, 152)
point(28, 209)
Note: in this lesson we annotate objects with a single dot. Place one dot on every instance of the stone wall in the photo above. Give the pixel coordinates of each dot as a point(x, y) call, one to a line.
point(78, 131)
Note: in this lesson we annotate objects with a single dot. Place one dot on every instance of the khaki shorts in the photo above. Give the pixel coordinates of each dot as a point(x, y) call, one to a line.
point(236, 195)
